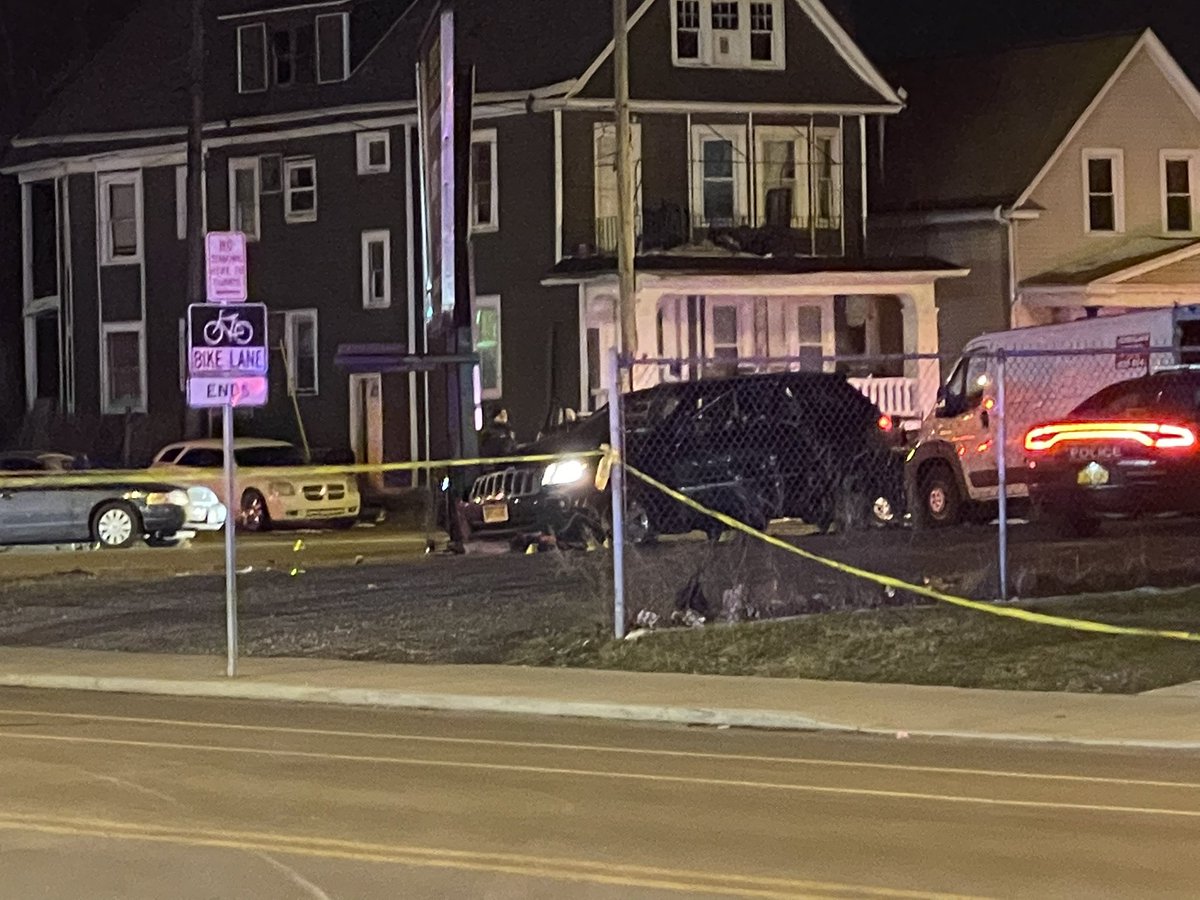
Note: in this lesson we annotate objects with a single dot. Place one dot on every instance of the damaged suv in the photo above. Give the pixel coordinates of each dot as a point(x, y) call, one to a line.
point(754, 447)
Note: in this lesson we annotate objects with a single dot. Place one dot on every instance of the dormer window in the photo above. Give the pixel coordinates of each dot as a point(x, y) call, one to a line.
point(729, 34)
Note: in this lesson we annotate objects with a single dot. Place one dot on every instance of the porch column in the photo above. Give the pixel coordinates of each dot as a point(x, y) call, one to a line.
point(646, 310)
point(919, 309)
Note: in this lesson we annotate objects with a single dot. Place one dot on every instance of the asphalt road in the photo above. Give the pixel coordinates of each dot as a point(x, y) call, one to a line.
point(107, 796)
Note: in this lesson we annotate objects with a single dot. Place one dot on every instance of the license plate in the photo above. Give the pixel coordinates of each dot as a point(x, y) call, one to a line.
point(495, 513)
point(1092, 475)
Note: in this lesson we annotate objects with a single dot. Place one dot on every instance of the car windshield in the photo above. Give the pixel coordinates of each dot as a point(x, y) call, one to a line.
point(266, 457)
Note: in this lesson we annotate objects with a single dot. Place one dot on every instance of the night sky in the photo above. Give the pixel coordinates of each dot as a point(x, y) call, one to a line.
point(42, 40)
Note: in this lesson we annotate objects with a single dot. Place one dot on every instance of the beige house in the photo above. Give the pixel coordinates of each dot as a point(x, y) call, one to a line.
point(1066, 177)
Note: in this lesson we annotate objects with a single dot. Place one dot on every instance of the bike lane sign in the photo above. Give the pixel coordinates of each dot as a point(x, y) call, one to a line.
point(228, 354)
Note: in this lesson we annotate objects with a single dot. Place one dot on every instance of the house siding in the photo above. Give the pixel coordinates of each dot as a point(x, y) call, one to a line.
point(1141, 115)
point(540, 325)
point(1181, 273)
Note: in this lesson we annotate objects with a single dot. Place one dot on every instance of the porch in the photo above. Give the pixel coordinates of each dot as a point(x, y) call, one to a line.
point(858, 323)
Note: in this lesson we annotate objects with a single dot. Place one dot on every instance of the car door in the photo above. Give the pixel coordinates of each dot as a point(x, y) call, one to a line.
point(32, 514)
point(966, 421)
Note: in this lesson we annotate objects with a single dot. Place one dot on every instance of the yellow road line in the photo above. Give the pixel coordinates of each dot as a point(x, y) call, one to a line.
point(600, 748)
point(1009, 612)
point(616, 776)
point(546, 867)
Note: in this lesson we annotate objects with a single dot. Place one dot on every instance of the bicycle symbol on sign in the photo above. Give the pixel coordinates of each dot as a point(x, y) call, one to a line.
point(229, 328)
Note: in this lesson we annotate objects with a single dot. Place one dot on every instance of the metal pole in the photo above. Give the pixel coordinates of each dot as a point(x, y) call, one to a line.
point(627, 242)
point(1002, 467)
point(616, 440)
point(231, 501)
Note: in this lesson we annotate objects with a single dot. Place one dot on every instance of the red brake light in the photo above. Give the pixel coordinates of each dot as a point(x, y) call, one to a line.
point(885, 423)
point(1155, 435)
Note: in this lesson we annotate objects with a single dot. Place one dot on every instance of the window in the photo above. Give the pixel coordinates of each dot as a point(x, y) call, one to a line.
point(604, 139)
point(123, 371)
point(486, 332)
point(1179, 202)
point(725, 331)
point(1104, 189)
point(762, 32)
point(377, 269)
point(687, 29)
point(252, 58)
point(243, 196)
point(826, 169)
point(783, 176)
point(485, 182)
point(300, 190)
point(120, 218)
point(301, 337)
point(374, 152)
point(731, 34)
point(719, 175)
point(333, 48)
point(202, 458)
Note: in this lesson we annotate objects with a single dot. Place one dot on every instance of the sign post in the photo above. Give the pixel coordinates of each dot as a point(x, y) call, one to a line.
point(228, 360)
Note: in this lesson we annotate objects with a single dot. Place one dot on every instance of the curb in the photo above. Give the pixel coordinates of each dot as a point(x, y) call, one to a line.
point(531, 706)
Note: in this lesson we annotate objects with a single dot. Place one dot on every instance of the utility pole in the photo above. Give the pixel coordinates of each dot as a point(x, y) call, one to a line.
point(196, 288)
point(195, 160)
point(626, 245)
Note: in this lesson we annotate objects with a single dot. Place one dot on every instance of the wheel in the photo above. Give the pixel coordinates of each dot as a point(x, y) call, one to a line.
point(253, 515)
point(115, 526)
point(939, 503)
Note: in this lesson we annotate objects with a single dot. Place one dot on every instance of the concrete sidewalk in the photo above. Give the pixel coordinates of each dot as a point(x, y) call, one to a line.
point(1146, 720)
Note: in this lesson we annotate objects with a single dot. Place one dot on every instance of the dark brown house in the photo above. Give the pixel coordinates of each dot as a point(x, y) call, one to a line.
point(751, 126)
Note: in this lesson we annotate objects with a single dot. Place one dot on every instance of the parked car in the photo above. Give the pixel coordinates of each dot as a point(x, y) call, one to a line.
point(112, 514)
point(267, 499)
point(755, 447)
point(1130, 449)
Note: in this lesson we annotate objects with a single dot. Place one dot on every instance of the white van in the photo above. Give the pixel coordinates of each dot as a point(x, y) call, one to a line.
point(954, 463)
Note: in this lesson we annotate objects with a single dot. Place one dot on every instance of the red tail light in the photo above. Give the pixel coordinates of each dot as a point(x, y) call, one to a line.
point(885, 423)
point(1155, 435)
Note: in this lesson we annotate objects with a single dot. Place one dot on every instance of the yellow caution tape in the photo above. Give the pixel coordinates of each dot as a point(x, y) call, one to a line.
point(194, 476)
point(1009, 612)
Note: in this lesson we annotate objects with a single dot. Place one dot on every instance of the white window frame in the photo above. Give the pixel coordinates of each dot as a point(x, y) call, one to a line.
point(801, 138)
point(1192, 158)
point(105, 180)
point(345, 20)
point(291, 215)
point(291, 318)
point(743, 309)
point(492, 302)
point(1117, 157)
point(363, 142)
point(736, 134)
point(377, 236)
point(839, 176)
point(261, 27)
point(740, 60)
point(107, 328)
point(486, 136)
point(248, 164)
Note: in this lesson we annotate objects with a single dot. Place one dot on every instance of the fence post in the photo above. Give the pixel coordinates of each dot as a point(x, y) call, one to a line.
point(1002, 467)
point(616, 440)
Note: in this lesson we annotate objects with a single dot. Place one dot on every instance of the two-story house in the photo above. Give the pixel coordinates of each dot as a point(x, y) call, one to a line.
point(1065, 176)
point(751, 126)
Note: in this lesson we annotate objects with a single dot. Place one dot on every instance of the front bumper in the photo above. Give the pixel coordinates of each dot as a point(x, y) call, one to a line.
point(207, 518)
point(162, 519)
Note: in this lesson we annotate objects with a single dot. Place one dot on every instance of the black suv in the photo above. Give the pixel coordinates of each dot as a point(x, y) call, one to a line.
point(755, 447)
point(1130, 449)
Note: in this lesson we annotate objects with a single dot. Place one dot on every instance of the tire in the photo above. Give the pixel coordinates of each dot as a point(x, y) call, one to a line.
point(253, 515)
point(116, 526)
point(939, 502)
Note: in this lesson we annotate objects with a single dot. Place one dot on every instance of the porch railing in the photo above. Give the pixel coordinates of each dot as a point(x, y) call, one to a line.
point(895, 397)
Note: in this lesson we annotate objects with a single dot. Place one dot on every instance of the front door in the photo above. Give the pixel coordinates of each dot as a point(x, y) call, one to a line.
point(366, 422)
point(600, 336)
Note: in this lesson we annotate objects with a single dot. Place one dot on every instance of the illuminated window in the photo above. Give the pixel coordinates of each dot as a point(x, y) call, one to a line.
point(487, 336)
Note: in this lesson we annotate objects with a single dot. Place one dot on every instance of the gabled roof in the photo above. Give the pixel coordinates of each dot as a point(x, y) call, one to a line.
point(978, 130)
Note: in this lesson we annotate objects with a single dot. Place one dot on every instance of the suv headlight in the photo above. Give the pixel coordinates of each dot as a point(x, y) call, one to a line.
point(202, 496)
point(568, 471)
point(282, 488)
point(167, 498)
